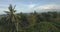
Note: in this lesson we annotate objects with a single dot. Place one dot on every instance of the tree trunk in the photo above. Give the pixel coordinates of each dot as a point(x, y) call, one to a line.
point(17, 26)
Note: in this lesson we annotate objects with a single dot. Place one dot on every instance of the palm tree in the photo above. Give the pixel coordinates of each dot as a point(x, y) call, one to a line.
point(12, 17)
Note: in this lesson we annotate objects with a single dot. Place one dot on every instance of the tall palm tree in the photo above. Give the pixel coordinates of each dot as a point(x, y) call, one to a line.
point(12, 17)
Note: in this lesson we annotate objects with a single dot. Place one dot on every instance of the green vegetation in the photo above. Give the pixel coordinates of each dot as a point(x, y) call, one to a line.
point(29, 22)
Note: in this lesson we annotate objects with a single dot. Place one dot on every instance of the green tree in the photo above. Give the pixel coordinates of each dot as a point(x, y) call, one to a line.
point(12, 17)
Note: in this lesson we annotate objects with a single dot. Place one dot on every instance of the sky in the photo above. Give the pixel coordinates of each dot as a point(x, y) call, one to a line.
point(27, 6)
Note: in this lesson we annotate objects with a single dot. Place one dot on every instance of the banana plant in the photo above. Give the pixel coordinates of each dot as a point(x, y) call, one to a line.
point(12, 17)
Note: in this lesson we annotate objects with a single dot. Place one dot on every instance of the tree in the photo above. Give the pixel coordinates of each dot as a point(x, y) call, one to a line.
point(23, 19)
point(32, 18)
point(12, 17)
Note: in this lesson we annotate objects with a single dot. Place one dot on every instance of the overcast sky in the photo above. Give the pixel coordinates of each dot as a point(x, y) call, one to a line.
point(29, 5)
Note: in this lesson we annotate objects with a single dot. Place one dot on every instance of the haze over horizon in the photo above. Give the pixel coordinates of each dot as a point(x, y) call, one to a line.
point(27, 6)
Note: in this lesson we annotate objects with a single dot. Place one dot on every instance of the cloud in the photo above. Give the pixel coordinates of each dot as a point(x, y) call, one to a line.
point(3, 8)
point(50, 6)
point(31, 5)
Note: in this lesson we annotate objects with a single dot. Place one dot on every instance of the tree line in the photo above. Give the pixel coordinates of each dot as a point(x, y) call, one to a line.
point(29, 22)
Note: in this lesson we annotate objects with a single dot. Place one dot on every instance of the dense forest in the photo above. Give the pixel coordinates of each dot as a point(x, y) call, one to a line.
point(29, 22)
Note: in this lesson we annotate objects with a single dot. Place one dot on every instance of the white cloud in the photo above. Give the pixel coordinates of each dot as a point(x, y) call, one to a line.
point(31, 5)
point(50, 6)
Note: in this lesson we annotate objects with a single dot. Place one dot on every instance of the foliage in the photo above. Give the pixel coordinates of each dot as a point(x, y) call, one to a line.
point(29, 22)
